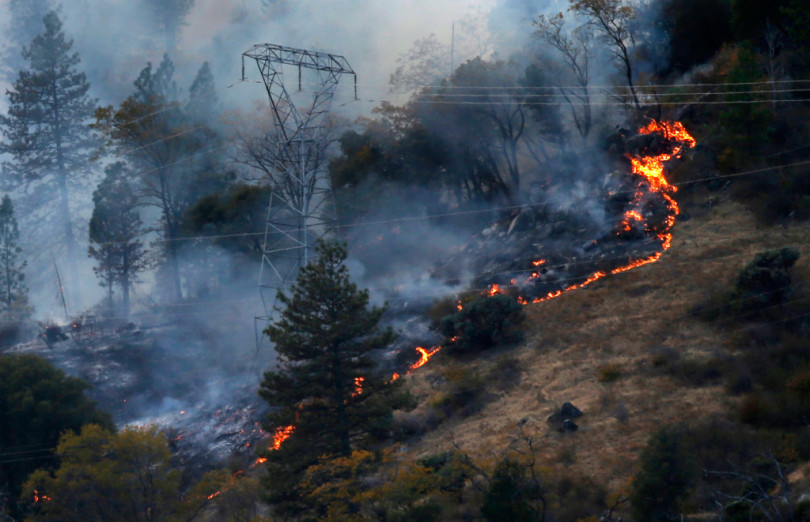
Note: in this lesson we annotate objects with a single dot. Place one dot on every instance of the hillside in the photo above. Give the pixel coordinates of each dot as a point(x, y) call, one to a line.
point(628, 351)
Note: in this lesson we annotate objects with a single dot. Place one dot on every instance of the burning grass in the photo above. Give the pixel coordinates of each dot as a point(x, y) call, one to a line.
point(640, 321)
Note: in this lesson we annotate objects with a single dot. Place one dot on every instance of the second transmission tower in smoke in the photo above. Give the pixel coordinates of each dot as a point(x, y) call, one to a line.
point(302, 207)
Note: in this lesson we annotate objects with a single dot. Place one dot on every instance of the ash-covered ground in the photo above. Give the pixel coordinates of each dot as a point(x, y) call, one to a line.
point(181, 375)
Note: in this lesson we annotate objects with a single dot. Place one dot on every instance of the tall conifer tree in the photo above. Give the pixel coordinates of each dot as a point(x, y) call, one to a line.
point(46, 132)
point(326, 385)
point(115, 230)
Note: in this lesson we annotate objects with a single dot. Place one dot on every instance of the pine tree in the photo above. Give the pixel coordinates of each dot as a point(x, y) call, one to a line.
point(158, 86)
point(169, 152)
point(326, 385)
point(115, 229)
point(46, 131)
point(203, 102)
point(13, 292)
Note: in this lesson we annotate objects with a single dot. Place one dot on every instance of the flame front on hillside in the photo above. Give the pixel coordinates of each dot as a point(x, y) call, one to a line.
point(651, 169)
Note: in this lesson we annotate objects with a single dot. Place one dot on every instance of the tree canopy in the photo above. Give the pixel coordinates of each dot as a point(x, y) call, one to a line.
point(125, 476)
point(38, 403)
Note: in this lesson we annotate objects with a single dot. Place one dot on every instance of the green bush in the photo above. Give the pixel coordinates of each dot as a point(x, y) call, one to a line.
point(483, 324)
point(667, 473)
point(765, 282)
point(513, 495)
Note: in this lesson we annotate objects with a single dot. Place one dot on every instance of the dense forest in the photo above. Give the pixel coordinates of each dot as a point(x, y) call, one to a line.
point(558, 271)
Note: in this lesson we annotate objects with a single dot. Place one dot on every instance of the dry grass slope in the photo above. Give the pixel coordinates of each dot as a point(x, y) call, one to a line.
point(599, 347)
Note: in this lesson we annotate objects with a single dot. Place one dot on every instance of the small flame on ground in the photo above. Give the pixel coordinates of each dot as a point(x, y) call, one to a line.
point(424, 357)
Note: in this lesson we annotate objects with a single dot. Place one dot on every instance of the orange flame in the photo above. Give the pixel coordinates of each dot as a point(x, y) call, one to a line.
point(280, 435)
point(358, 386)
point(651, 168)
point(425, 356)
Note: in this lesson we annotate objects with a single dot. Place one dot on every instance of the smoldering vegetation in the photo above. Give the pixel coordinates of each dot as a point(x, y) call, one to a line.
point(501, 155)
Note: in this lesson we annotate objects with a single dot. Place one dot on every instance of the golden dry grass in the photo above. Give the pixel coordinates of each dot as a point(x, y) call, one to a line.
point(623, 320)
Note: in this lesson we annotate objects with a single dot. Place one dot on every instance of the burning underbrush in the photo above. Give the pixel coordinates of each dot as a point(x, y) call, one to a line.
point(542, 250)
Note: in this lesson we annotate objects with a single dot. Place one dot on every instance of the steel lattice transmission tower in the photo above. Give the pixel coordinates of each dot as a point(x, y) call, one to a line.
point(302, 207)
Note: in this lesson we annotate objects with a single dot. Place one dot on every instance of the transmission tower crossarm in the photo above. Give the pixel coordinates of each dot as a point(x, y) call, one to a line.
point(301, 58)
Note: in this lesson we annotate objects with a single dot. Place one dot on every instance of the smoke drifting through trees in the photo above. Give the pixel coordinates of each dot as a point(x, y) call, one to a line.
point(470, 146)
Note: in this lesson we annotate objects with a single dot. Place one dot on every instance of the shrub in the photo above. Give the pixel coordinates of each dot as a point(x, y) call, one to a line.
point(513, 495)
point(483, 324)
point(667, 473)
point(764, 282)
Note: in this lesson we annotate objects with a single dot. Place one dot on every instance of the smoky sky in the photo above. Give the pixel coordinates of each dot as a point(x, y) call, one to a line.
point(115, 39)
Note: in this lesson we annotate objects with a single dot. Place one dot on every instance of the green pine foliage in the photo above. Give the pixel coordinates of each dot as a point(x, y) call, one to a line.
point(171, 152)
point(326, 384)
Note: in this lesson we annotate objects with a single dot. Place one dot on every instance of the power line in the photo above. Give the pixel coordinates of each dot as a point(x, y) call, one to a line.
point(612, 95)
point(461, 213)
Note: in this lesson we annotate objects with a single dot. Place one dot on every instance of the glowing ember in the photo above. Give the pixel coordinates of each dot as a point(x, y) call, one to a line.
point(43, 498)
point(494, 290)
point(425, 356)
point(260, 460)
point(358, 386)
point(631, 215)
